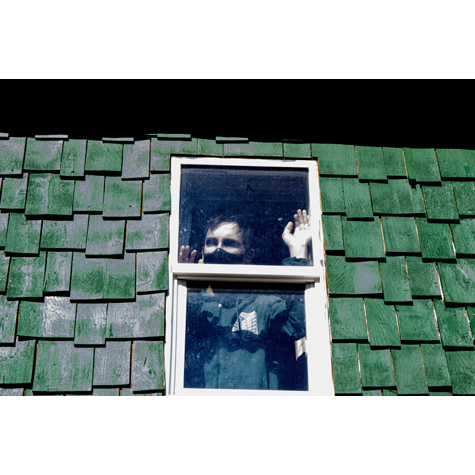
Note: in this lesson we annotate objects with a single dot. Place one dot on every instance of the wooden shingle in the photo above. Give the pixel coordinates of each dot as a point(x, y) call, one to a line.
point(148, 370)
point(409, 371)
point(352, 278)
point(16, 362)
point(73, 159)
point(371, 164)
point(62, 367)
point(335, 159)
point(347, 319)
point(112, 364)
point(346, 374)
point(12, 152)
point(14, 193)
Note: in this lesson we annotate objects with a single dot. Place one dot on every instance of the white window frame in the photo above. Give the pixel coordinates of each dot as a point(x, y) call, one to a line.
point(320, 381)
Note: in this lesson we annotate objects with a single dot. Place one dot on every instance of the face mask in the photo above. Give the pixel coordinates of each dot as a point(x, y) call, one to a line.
point(222, 257)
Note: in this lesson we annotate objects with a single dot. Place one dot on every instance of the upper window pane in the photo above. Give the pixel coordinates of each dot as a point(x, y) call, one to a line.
point(237, 215)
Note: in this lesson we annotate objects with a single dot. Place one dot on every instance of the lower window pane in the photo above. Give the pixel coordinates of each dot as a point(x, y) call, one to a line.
point(245, 337)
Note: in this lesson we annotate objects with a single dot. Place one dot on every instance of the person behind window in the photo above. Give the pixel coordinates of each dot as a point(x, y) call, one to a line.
point(251, 340)
point(228, 241)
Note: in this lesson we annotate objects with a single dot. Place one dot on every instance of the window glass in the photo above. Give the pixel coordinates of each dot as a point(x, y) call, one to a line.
point(234, 214)
point(238, 337)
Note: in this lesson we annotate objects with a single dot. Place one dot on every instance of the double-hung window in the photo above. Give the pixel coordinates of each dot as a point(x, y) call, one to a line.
point(246, 312)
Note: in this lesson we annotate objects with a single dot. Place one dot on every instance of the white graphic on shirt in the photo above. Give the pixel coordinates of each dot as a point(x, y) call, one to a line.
point(246, 325)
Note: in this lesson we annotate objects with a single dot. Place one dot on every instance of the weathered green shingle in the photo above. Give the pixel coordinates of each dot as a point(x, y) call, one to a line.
point(122, 199)
point(456, 163)
point(89, 194)
point(394, 162)
point(3, 229)
point(376, 367)
point(73, 159)
point(409, 370)
point(4, 266)
point(26, 277)
point(435, 364)
point(150, 233)
point(347, 319)
point(161, 150)
point(43, 155)
point(14, 193)
point(148, 370)
point(392, 198)
point(423, 278)
point(352, 278)
point(400, 235)
point(463, 235)
point(440, 202)
point(255, 149)
point(103, 278)
point(363, 239)
point(91, 323)
point(143, 318)
point(297, 150)
point(65, 234)
point(105, 237)
point(331, 192)
point(435, 239)
point(382, 323)
point(156, 193)
point(152, 271)
point(461, 366)
point(332, 232)
point(136, 160)
point(62, 367)
point(16, 362)
point(48, 194)
point(454, 326)
point(12, 152)
point(371, 164)
point(422, 165)
point(8, 318)
point(417, 322)
point(346, 374)
point(465, 197)
point(335, 159)
point(58, 272)
point(458, 281)
point(103, 157)
point(53, 318)
point(396, 288)
point(23, 235)
point(210, 148)
point(112, 364)
point(357, 198)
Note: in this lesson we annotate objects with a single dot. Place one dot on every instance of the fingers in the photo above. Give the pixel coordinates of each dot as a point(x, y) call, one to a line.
point(185, 256)
point(288, 229)
point(302, 219)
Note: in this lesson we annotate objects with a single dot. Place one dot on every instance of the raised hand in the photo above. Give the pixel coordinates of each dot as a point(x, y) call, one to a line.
point(185, 256)
point(298, 241)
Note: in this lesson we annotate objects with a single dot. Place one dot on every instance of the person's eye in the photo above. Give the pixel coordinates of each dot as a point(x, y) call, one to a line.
point(231, 243)
point(211, 242)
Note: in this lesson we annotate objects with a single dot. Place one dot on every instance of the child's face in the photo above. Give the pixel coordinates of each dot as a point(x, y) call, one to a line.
point(227, 236)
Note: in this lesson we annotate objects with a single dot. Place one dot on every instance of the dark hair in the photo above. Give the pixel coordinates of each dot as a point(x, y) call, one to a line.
point(247, 234)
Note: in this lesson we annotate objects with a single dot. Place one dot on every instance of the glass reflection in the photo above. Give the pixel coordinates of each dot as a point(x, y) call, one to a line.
point(245, 338)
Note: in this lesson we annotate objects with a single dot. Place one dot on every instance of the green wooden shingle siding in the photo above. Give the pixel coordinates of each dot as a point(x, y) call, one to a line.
point(84, 236)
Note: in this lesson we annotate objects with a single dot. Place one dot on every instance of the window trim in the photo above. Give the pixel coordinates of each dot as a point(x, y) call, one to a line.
point(318, 333)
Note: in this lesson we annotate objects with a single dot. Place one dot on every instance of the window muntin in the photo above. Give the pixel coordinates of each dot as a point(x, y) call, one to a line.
point(261, 199)
point(245, 337)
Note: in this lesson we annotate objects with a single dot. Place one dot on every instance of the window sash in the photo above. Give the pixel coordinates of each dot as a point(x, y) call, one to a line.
point(316, 308)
